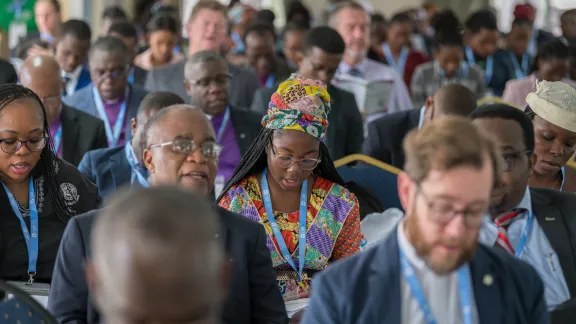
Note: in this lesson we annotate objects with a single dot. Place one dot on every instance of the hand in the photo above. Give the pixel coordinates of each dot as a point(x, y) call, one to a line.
point(37, 50)
point(297, 317)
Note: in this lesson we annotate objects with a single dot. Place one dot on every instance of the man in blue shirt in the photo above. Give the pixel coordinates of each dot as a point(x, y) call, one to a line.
point(534, 224)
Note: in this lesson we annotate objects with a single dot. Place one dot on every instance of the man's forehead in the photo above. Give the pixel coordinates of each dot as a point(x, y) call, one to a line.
point(208, 68)
point(186, 124)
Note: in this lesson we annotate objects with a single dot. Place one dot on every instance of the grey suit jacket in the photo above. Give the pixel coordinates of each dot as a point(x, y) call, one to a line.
point(83, 100)
point(345, 132)
point(171, 78)
point(140, 77)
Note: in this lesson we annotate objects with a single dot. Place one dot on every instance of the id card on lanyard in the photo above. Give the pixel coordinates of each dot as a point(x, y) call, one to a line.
point(489, 72)
point(302, 225)
point(30, 236)
point(464, 291)
point(113, 134)
point(400, 65)
point(520, 70)
point(136, 174)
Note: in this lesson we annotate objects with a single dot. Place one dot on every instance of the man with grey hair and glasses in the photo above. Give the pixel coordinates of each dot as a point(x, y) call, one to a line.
point(208, 86)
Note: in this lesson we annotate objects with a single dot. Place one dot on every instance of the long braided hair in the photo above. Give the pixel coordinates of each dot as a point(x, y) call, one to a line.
point(45, 166)
point(255, 160)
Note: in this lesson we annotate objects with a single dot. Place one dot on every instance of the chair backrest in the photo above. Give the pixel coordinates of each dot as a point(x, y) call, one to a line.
point(380, 178)
point(21, 308)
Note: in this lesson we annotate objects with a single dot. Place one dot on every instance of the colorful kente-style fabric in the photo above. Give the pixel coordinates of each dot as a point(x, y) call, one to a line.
point(299, 104)
point(333, 229)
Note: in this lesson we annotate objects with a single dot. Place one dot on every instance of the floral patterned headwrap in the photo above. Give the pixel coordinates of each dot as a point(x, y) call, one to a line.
point(299, 104)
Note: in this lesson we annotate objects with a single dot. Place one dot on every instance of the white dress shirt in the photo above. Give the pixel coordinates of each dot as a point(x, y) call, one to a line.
point(537, 252)
point(441, 292)
point(375, 71)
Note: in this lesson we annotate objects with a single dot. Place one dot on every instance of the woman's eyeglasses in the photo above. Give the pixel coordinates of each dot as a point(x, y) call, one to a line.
point(12, 145)
point(184, 146)
point(285, 161)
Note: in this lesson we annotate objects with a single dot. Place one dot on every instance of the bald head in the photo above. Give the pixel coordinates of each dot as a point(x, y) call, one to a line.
point(157, 257)
point(41, 74)
point(181, 149)
point(454, 99)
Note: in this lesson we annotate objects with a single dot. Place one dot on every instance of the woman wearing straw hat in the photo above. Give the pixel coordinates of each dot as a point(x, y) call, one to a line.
point(287, 182)
point(552, 108)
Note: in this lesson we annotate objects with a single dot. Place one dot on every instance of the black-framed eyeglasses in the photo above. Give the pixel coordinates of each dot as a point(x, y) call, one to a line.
point(286, 161)
point(220, 81)
point(509, 159)
point(12, 145)
point(210, 150)
point(443, 213)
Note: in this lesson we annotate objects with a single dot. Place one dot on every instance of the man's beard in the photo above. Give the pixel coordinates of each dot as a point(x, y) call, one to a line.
point(423, 249)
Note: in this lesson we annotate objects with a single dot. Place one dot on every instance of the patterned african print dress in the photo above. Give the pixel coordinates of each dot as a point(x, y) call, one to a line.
point(333, 230)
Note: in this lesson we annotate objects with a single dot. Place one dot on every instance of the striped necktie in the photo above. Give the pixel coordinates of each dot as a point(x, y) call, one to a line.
point(502, 223)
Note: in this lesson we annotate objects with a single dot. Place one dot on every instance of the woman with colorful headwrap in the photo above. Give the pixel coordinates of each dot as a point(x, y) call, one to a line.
point(552, 108)
point(287, 182)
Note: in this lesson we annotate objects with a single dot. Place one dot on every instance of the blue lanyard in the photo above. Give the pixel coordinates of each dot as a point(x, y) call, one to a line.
point(270, 81)
point(222, 128)
point(31, 239)
point(131, 76)
point(418, 294)
point(563, 178)
point(113, 136)
point(276, 230)
point(489, 64)
point(136, 174)
point(521, 71)
point(399, 66)
point(524, 237)
point(57, 139)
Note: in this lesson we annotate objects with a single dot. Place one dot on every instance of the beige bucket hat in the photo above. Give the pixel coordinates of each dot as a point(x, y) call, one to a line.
point(555, 102)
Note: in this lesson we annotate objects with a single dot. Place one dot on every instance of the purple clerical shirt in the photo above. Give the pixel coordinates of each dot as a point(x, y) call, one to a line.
point(53, 129)
point(112, 111)
point(230, 156)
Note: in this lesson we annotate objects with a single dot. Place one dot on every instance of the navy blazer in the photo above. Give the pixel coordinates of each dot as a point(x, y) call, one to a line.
point(84, 79)
point(107, 168)
point(365, 288)
point(84, 100)
point(254, 297)
point(503, 72)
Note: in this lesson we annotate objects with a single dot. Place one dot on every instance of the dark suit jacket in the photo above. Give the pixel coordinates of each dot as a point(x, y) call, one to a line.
point(385, 136)
point(83, 100)
point(7, 72)
point(139, 77)
point(253, 296)
point(171, 78)
point(345, 132)
point(107, 168)
point(554, 211)
point(366, 288)
point(246, 126)
point(76, 123)
point(84, 79)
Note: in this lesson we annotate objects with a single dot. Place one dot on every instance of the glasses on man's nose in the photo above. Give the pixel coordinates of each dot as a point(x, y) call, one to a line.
point(285, 161)
point(442, 213)
point(219, 81)
point(12, 145)
point(509, 160)
point(210, 150)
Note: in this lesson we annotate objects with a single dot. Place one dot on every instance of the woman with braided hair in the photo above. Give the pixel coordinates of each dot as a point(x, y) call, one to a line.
point(287, 182)
point(39, 191)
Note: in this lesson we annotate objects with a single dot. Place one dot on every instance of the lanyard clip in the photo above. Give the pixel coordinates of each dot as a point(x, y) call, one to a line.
point(31, 279)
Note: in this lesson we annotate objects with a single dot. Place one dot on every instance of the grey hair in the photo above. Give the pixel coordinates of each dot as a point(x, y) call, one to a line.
point(335, 11)
point(160, 220)
point(159, 116)
point(205, 56)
